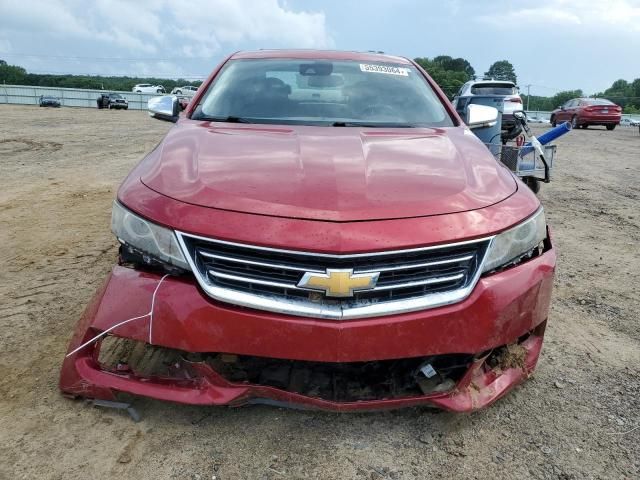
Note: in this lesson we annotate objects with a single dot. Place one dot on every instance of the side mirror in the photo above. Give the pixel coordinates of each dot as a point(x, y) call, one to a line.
point(479, 116)
point(561, 107)
point(519, 115)
point(184, 103)
point(166, 108)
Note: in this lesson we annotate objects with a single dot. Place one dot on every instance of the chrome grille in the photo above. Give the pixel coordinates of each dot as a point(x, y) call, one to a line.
point(267, 279)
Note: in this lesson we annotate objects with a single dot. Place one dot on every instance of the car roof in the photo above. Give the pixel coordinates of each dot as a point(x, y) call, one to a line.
point(506, 82)
point(321, 55)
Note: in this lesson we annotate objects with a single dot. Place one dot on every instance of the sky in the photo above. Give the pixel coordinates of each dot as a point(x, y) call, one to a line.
point(553, 44)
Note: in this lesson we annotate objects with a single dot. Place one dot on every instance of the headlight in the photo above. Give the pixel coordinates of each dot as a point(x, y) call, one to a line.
point(521, 240)
point(153, 243)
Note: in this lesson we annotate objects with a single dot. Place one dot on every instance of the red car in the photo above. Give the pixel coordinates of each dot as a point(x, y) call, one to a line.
point(318, 229)
point(582, 112)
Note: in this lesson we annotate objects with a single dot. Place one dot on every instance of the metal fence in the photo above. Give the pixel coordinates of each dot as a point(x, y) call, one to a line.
point(69, 97)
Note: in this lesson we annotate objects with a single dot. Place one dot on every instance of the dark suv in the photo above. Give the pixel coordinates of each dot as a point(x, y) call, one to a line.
point(112, 100)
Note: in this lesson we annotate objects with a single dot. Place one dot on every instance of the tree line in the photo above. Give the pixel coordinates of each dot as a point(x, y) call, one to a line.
point(15, 75)
point(622, 93)
point(448, 72)
point(451, 73)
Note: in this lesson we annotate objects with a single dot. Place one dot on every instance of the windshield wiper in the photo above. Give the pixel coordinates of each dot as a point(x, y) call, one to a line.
point(229, 119)
point(371, 125)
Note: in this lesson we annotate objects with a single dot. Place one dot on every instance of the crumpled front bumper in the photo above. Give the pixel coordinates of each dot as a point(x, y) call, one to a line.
point(506, 308)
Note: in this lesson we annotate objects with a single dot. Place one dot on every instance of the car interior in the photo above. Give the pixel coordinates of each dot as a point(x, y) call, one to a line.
point(348, 95)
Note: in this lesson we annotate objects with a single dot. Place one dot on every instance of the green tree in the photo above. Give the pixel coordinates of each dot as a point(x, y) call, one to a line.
point(619, 85)
point(564, 96)
point(625, 94)
point(11, 74)
point(502, 70)
point(455, 64)
point(449, 73)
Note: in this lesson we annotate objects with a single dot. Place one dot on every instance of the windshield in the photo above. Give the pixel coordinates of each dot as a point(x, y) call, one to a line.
point(494, 89)
point(331, 93)
point(115, 95)
point(597, 102)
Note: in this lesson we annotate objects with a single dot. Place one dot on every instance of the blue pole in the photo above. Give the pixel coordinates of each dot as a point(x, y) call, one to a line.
point(547, 137)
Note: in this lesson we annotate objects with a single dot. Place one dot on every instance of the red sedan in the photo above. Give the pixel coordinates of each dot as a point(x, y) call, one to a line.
point(318, 229)
point(582, 112)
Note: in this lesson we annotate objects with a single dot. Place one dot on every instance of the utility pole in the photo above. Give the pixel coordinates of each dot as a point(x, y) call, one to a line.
point(528, 95)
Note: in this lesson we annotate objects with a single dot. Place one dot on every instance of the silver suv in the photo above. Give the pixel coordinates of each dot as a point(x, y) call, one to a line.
point(500, 89)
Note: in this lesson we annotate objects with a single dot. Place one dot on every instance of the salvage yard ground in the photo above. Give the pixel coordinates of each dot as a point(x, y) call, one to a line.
point(577, 417)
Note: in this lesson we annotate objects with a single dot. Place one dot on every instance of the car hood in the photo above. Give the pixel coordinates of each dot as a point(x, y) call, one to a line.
point(326, 173)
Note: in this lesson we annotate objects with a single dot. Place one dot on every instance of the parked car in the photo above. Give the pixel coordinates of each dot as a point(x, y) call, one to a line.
point(112, 100)
point(629, 122)
point(318, 229)
point(147, 88)
point(535, 119)
point(187, 91)
point(583, 112)
point(502, 89)
point(49, 101)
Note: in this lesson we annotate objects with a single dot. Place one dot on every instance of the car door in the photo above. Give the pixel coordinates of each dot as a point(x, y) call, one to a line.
point(568, 110)
point(563, 114)
point(573, 109)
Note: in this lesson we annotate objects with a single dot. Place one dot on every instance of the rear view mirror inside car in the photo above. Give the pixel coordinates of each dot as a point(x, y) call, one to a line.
point(316, 68)
point(326, 81)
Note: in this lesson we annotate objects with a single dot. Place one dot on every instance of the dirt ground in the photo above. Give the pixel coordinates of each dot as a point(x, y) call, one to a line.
point(577, 417)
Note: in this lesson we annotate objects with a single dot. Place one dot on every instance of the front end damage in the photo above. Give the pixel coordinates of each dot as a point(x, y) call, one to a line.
point(188, 349)
point(459, 383)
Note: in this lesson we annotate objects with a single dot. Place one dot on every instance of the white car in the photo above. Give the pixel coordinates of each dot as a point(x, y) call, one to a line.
point(501, 89)
point(534, 119)
point(147, 88)
point(185, 91)
point(629, 122)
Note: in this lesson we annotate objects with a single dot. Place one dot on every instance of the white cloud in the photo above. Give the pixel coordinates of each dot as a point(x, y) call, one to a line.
point(164, 29)
point(5, 45)
point(621, 16)
point(531, 16)
point(230, 22)
point(107, 22)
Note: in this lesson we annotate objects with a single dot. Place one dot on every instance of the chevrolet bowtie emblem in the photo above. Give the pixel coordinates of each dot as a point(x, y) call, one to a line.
point(339, 283)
